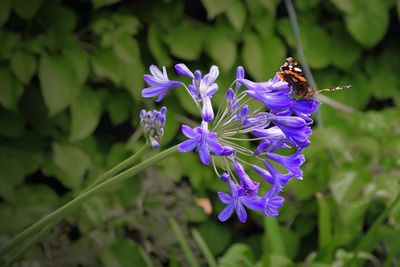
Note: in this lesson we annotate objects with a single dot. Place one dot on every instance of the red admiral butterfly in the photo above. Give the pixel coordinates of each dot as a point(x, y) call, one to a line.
point(292, 73)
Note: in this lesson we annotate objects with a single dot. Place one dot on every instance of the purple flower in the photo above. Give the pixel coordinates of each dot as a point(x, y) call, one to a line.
point(271, 86)
point(250, 186)
point(159, 83)
point(272, 175)
point(302, 108)
point(231, 100)
point(294, 128)
point(239, 75)
point(204, 142)
point(152, 123)
point(274, 101)
point(292, 163)
point(183, 70)
point(236, 201)
point(224, 177)
point(207, 89)
point(272, 202)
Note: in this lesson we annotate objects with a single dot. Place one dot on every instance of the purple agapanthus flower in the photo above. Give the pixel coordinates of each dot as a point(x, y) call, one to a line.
point(282, 124)
point(237, 201)
point(272, 203)
point(204, 141)
point(159, 83)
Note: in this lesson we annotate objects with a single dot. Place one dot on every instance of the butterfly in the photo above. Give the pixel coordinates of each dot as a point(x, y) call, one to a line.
point(292, 73)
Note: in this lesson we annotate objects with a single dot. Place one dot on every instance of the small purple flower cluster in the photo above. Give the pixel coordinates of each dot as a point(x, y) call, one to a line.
point(282, 124)
point(152, 123)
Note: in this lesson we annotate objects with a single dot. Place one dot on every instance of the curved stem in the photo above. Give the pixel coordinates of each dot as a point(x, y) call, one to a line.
point(110, 173)
point(59, 213)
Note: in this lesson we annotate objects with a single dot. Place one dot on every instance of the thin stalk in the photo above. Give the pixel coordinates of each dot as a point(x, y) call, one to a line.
point(126, 163)
point(110, 173)
point(29, 244)
point(183, 243)
point(59, 213)
point(204, 248)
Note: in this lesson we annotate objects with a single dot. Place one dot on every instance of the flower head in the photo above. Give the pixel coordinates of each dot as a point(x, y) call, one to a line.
point(152, 123)
point(204, 142)
point(159, 83)
point(236, 201)
point(283, 122)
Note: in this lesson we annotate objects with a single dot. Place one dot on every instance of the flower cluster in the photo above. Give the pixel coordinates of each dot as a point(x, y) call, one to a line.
point(152, 123)
point(281, 126)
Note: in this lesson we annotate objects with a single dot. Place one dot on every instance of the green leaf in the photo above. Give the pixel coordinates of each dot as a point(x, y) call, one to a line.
point(222, 50)
point(26, 9)
point(317, 45)
point(186, 41)
point(156, 47)
point(215, 7)
point(236, 13)
point(24, 66)
point(59, 82)
point(262, 56)
point(72, 162)
point(368, 23)
point(101, 3)
point(85, 114)
point(346, 52)
point(128, 52)
point(79, 60)
point(119, 108)
point(12, 124)
point(237, 255)
point(126, 254)
point(106, 64)
point(56, 18)
point(8, 41)
point(5, 8)
point(11, 89)
point(346, 6)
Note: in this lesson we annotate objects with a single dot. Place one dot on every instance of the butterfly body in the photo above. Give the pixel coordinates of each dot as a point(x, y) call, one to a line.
point(292, 73)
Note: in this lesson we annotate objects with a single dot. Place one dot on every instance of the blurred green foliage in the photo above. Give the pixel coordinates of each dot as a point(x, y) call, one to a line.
point(71, 75)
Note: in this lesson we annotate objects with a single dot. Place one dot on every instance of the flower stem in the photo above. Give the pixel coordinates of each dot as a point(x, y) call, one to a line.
point(59, 213)
point(110, 173)
point(126, 163)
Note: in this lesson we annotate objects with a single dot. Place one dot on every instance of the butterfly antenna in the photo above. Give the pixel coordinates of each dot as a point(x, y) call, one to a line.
point(335, 88)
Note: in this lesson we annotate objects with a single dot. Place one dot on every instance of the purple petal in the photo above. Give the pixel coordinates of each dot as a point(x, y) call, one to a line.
point(207, 111)
point(225, 198)
point(227, 212)
point(189, 145)
point(204, 153)
point(152, 91)
point(188, 132)
point(156, 72)
point(182, 69)
point(215, 147)
point(254, 203)
point(264, 174)
point(212, 75)
point(240, 211)
point(212, 89)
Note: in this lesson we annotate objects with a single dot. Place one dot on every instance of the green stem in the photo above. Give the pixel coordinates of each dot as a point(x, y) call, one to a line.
point(183, 243)
point(110, 173)
point(273, 235)
point(59, 213)
point(29, 243)
point(126, 163)
point(371, 231)
point(204, 248)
